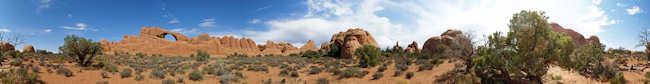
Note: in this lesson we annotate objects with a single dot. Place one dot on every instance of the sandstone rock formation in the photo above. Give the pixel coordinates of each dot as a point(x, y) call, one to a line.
point(578, 39)
point(28, 48)
point(281, 48)
point(152, 41)
point(5, 46)
point(412, 48)
point(397, 47)
point(350, 40)
point(309, 46)
point(450, 43)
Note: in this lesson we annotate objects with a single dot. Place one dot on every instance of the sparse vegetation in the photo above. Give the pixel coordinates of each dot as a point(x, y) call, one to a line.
point(64, 71)
point(82, 49)
point(195, 76)
point(126, 73)
point(368, 56)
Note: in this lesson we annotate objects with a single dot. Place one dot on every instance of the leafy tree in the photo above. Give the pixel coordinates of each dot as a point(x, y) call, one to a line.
point(521, 56)
point(334, 50)
point(202, 55)
point(82, 49)
point(368, 55)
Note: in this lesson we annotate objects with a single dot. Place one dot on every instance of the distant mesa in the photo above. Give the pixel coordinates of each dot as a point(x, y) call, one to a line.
point(152, 41)
point(578, 39)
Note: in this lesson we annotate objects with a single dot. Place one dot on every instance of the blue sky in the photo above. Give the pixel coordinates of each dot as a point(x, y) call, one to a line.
point(45, 23)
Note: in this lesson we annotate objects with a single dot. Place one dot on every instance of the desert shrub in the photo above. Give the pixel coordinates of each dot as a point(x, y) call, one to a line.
point(64, 71)
point(377, 75)
point(195, 76)
point(157, 73)
point(104, 74)
point(269, 81)
point(398, 73)
point(409, 75)
point(225, 79)
point(315, 70)
point(13, 54)
point(284, 72)
point(368, 56)
point(180, 80)
point(81, 49)
point(237, 55)
point(19, 76)
point(334, 51)
point(17, 62)
point(352, 72)
point(220, 72)
point(139, 77)
point(618, 79)
point(258, 68)
point(168, 81)
point(425, 67)
point(101, 82)
point(36, 69)
point(295, 74)
point(322, 81)
point(140, 55)
point(382, 68)
point(523, 55)
point(110, 68)
point(126, 72)
point(401, 67)
point(202, 55)
point(311, 54)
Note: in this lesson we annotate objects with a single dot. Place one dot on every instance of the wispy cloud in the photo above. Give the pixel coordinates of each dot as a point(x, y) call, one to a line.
point(45, 3)
point(173, 21)
point(78, 26)
point(634, 10)
point(185, 31)
point(255, 21)
point(263, 8)
point(208, 23)
point(47, 30)
point(4, 30)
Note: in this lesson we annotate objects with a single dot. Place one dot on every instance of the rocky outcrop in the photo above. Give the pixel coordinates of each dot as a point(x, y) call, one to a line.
point(308, 46)
point(450, 43)
point(412, 48)
point(350, 40)
point(397, 47)
point(281, 48)
point(28, 48)
point(5, 46)
point(152, 41)
point(578, 39)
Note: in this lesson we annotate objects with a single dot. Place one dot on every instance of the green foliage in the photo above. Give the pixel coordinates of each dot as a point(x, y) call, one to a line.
point(19, 76)
point(369, 56)
point(140, 55)
point(82, 49)
point(377, 75)
point(311, 54)
point(523, 54)
point(126, 72)
point(202, 55)
point(157, 73)
point(334, 51)
point(168, 81)
point(64, 71)
point(409, 75)
point(13, 54)
point(618, 79)
point(322, 81)
point(195, 76)
point(352, 72)
point(139, 77)
point(43, 52)
point(110, 68)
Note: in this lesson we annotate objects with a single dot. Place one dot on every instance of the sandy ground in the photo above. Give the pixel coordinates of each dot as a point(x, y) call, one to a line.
point(93, 76)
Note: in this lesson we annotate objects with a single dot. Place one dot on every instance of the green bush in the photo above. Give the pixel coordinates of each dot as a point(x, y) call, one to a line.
point(157, 73)
point(352, 72)
point(311, 54)
point(377, 75)
point(368, 56)
point(110, 68)
point(126, 72)
point(101, 82)
point(322, 81)
point(64, 71)
point(196, 76)
point(618, 79)
point(139, 77)
point(295, 74)
point(81, 49)
point(334, 51)
point(382, 68)
point(202, 55)
point(168, 81)
point(225, 79)
point(409, 75)
point(17, 62)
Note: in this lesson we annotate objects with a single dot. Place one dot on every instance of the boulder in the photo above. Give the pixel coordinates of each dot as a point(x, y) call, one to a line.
point(28, 48)
point(309, 46)
point(450, 43)
point(6, 46)
point(350, 40)
point(412, 48)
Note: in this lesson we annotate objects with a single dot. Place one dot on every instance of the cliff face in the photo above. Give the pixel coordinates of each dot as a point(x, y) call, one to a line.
point(152, 41)
point(350, 40)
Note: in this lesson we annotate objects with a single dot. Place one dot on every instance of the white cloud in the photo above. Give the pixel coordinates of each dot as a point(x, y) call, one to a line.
point(429, 18)
point(173, 21)
point(45, 3)
point(620, 4)
point(78, 26)
point(207, 23)
point(184, 31)
point(265, 7)
point(4, 30)
point(255, 21)
point(634, 10)
point(47, 30)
